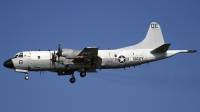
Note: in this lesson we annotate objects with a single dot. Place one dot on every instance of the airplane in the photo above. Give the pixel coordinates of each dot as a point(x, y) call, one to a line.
point(68, 61)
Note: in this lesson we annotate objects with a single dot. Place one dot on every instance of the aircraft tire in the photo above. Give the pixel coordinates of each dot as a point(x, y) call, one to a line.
point(26, 77)
point(72, 80)
point(83, 74)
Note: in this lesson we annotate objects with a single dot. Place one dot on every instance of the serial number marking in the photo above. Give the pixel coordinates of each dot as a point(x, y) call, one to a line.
point(138, 58)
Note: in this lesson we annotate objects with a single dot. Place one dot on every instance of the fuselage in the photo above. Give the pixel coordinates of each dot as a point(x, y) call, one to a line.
point(40, 60)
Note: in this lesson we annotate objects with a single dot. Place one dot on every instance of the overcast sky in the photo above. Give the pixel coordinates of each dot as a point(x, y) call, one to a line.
point(171, 85)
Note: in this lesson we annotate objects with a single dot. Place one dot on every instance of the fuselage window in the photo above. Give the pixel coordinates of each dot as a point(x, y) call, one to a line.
point(38, 57)
point(115, 55)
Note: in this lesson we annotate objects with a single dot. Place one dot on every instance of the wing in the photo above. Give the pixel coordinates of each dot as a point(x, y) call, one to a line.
point(86, 54)
point(89, 56)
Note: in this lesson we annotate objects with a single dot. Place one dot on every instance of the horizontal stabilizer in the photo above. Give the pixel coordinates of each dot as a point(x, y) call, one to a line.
point(162, 49)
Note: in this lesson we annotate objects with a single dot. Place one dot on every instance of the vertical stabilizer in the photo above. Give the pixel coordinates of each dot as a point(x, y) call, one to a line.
point(153, 39)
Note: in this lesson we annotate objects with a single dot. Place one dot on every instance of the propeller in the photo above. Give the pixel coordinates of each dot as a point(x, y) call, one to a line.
point(53, 59)
point(59, 52)
point(54, 56)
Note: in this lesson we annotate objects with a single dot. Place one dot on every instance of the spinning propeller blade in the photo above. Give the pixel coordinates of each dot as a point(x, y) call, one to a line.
point(54, 56)
point(53, 59)
point(59, 52)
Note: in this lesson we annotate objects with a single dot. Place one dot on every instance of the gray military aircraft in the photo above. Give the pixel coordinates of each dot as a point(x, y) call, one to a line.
point(67, 61)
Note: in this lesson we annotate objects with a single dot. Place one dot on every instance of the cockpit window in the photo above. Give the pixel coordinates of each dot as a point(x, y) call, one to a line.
point(20, 55)
point(15, 56)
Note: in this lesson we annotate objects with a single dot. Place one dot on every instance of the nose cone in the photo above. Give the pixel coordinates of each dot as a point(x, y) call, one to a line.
point(8, 64)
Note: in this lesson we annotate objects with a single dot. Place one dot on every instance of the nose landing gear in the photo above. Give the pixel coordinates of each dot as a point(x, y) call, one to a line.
point(26, 77)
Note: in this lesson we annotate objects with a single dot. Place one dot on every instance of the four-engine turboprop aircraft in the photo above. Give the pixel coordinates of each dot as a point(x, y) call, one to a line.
point(67, 61)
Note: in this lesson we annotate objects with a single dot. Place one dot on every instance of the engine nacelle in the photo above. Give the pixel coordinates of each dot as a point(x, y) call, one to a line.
point(70, 53)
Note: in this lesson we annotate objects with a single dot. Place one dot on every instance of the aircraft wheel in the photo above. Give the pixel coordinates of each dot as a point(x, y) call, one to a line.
point(26, 77)
point(72, 80)
point(83, 74)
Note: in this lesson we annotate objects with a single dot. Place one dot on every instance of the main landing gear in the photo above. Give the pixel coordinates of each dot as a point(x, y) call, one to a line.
point(73, 79)
point(26, 77)
point(83, 74)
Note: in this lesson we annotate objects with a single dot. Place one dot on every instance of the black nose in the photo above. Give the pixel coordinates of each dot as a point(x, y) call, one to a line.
point(8, 64)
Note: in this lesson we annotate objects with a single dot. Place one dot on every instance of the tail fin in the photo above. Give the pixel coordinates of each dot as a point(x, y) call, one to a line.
point(153, 39)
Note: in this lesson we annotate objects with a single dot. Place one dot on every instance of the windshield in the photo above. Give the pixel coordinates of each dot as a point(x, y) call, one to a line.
point(15, 56)
point(20, 55)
